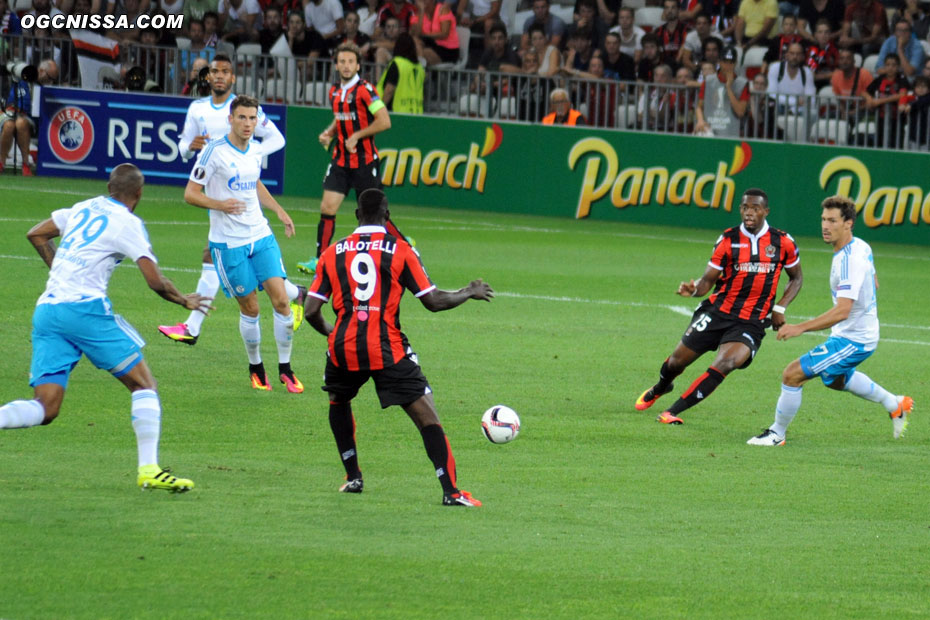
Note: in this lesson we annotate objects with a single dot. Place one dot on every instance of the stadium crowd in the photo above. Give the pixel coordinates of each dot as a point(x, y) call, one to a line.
point(806, 70)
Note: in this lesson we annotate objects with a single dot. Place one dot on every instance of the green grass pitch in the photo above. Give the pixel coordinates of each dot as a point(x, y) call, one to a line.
point(596, 511)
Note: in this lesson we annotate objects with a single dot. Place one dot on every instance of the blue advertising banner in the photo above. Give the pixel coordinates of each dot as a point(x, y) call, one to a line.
point(86, 134)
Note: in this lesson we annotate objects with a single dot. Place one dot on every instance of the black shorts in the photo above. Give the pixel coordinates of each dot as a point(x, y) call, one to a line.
point(342, 178)
point(400, 384)
point(709, 329)
point(445, 54)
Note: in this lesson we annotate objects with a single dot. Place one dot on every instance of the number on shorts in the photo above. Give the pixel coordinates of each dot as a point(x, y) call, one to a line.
point(365, 280)
point(90, 229)
point(701, 323)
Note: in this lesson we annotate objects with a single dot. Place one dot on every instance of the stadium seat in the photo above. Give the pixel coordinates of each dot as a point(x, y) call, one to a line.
point(626, 115)
point(249, 49)
point(857, 58)
point(794, 127)
point(518, 20)
point(183, 43)
point(754, 56)
point(464, 38)
point(830, 131)
point(564, 11)
point(279, 90)
point(473, 105)
point(507, 109)
point(634, 4)
point(648, 17)
point(315, 93)
point(869, 63)
point(247, 85)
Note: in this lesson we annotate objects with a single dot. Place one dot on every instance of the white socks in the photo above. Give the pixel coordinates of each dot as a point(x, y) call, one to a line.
point(252, 337)
point(146, 421)
point(291, 290)
point(284, 335)
point(208, 286)
point(863, 387)
point(785, 409)
point(21, 414)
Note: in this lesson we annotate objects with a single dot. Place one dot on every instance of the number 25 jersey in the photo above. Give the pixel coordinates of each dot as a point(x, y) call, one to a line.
point(365, 275)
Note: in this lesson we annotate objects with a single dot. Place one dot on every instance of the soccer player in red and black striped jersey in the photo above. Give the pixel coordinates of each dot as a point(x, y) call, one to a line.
point(359, 115)
point(743, 273)
point(365, 275)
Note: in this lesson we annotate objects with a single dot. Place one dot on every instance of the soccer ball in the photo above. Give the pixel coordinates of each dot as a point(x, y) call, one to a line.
point(500, 424)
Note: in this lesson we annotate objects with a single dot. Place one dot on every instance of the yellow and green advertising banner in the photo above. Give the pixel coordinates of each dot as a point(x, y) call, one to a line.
point(635, 177)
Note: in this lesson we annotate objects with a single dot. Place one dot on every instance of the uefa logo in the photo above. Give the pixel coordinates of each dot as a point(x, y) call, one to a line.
point(71, 135)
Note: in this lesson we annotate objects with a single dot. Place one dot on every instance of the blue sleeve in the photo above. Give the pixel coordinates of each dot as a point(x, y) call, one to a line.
point(888, 47)
point(916, 57)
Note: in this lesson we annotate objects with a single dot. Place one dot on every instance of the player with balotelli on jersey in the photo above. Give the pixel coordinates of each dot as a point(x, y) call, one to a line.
point(743, 272)
point(365, 276)
point(359, 114)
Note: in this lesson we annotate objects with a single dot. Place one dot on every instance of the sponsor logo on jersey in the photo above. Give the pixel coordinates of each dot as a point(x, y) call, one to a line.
point(342, 116)
point(199, 173)
point(234, 184)
point(770, 251)
point(71, 134)
point(753, 267)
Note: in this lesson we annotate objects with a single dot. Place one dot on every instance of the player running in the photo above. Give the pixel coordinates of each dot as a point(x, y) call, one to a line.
point(743, 271)
point(74, 316)
point(208, 119)
point(243, 247)
point(359, 115)
point(853, 320)
point(365, 274)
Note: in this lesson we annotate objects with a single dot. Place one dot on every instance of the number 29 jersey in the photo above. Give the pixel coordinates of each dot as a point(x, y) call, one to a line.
point(365, 275)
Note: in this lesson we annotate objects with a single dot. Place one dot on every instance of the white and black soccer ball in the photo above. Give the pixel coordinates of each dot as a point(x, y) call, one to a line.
point(500, 424)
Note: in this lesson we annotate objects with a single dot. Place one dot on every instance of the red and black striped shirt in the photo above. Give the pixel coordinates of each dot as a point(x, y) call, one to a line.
point(365, 274)
point(751, 266)
point(354, 108)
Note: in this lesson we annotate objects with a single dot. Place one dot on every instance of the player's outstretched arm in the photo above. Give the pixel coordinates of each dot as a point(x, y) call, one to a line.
point(796, 280)
point(839, 312)
point(702, 286)
point(40, 236)
point(313, 313)
point(438, 300)
point(166, 288)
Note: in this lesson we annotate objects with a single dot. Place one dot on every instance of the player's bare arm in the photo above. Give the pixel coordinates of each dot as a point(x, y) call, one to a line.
point(381, 123)
point(703, 286)
point(839, 312)
point(268, 202)
point(438, 300)
point(326, 136)
point(199, 142)
point(40, 236)
point(167, 290)
point(795, 281)
point(193, 195)
point(314, 315)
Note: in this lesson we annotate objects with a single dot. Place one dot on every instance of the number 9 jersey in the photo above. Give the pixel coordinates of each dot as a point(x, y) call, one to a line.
point(96, 235)
point(365, 274)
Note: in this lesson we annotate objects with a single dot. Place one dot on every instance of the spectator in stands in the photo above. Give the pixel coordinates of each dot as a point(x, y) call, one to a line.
point(722, 15)
point(272, 28)
point(617, 65)
point(306, 43)
point(579, 51)
point(925, 71)
point(285, 6)
point(401, 83)
point(864, 26)
point(354, 35)
point(848, 80)
point(195, 10)
point(170, 7)
point(327, 18)
point(479, 16)
point(600, 97)
point(240, 21)
point(905, 46)
point(550, 60)
point(532, 90)
point(211, 28)
point(562, 112)
point(885, 93)
point(552, 25)
point(587, 20)
point(43, 7)
point(198, 84)
point(760, 84)
point(630, 34)
point(916, 17)
point(9, 20)
point(711, 52)
point(17, 122)
point(198, 46)
point(645, 68)
point(754, 22)
point(918, 112)
point(822, 55)
point(692, 52)
point(655, 108)
point(606, 9)
point(401, 10)
point(723, 100)
point(433, 28)
point(812, 11)
point(778, 46)
point(672, 34)
point(499, 56)
point(684, 99)
point(384, 39)
point(791, 83)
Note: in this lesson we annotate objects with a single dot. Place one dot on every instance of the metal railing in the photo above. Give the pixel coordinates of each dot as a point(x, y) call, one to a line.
point(609, 104)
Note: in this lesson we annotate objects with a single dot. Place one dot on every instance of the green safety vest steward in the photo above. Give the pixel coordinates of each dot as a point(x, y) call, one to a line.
point(408, 96)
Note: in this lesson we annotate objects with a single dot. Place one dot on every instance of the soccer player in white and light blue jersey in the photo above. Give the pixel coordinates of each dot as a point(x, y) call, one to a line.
point(208, 119)
point(226, 181)
point(854, 335)
point(74, 316)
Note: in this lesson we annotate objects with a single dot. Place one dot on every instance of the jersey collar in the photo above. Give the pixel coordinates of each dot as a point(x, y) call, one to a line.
point(351, 83)
point(116, 202)
point(222, 105)
point(762, 231)
point(367, 230)
point(247, 146)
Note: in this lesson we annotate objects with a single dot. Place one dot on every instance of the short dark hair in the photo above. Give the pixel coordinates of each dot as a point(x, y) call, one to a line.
point(243, 101)
point(371, 203)
point(650, 38)
point(846, 206)
point(498, 26)
point(755, 191)
point(212, 14)
point(922, 79)
point(710, 40)
point(534, 27)
point(196, 21)
point(221, 58)
point(585, 32)
point(350, 47)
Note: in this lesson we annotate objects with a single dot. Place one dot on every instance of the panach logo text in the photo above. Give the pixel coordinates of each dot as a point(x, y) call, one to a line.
point(883, 206)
